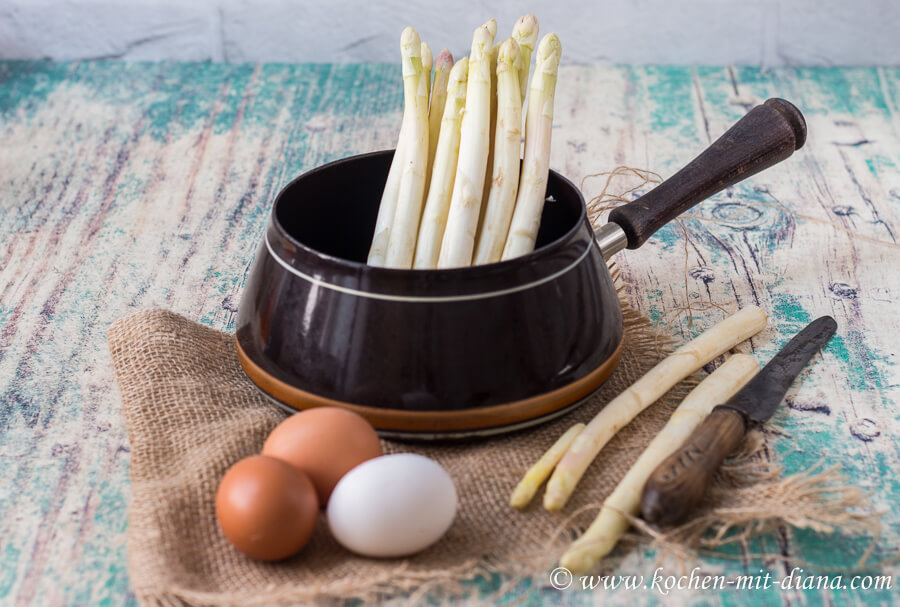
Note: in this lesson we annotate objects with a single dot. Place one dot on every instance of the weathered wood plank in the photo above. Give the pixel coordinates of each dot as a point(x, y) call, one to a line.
point(128, 186)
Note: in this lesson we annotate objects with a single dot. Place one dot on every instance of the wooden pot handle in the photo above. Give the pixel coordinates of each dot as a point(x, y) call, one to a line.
point(678, 484)
point(765, 136)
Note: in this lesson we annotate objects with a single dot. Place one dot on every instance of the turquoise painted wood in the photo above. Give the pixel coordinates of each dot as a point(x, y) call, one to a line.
point(134, 185)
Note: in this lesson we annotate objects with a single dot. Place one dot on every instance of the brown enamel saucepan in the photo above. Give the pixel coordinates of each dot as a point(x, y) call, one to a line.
point(469, 351)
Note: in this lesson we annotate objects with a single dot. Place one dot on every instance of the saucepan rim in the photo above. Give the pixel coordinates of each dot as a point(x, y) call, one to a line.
point(443, 274)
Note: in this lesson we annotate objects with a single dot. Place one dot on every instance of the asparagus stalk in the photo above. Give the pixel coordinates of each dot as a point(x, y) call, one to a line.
point(402, 241)
point(539, 472)
point(427, 64)
point(525, 33)
point(388, 205)
point(536, 163)
point(442, 66)
point(434, 217)
point(526, 30)
point(504, 180)
point(622, 409)
point(611, 523)
point(465, 203)
point(492, 125)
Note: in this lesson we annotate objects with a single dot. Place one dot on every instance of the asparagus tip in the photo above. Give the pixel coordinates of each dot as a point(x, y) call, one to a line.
point(410, 37)
point(427, 56)
point(444, 60)
point(481, 43)
point(526, 30)
point(491, 24)
point(550, 50)
point(508, 55)
point(460, 71)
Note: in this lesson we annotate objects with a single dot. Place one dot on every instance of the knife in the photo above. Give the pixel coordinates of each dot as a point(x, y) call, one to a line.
point(677, 485)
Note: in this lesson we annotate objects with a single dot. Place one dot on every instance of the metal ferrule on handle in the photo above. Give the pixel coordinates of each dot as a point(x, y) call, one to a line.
point(611, 239)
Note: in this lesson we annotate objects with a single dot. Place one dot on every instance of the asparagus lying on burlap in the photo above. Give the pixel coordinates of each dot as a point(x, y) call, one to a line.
point(458, 243)
point(612, 522)
point(440, 188)
point(539, 472)
point(687, 359)
point(501, 198)
point(536, 162)
point(403, 231)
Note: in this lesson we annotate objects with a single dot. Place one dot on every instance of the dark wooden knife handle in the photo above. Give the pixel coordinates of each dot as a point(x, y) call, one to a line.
point(765, 136)
point(678, 484)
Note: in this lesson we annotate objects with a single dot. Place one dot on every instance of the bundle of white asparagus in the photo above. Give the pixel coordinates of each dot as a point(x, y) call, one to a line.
point(454, 194)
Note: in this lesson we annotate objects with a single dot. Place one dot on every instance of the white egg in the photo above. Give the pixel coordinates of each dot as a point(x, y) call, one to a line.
point(393, 505)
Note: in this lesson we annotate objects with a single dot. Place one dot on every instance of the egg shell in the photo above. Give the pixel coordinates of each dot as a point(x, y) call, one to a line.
point(266, 508)
point(325, 443)
point(394, 505)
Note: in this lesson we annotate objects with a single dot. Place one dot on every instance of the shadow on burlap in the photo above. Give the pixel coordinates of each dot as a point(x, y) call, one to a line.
point(191, 413)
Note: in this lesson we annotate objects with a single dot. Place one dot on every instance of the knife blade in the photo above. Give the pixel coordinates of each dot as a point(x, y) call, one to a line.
point(677, 485)
point(759, 399)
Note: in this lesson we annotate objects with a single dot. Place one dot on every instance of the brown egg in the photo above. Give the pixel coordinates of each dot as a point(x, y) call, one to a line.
point(266, 508)
point(324, 442)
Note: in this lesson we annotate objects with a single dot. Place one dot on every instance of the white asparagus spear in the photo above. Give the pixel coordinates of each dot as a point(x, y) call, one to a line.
point(427, 64)
point(388, 205)
point(713, 342)
point(442, 66)
point(501, 198)
point(536, 161)
point(611, 523)
point(539, 472)
point(525, 32)
point(491, 24)
point(402, 242)
point(440, 188)
point(465, 203)
point(492, 125)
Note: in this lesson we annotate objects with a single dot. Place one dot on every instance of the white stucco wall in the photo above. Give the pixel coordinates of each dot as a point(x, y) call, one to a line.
point(749, 32)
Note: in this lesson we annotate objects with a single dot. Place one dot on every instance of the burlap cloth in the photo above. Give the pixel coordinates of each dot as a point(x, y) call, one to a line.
point(191, 413)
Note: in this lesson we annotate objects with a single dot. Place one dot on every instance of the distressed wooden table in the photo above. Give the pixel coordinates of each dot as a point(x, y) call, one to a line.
point(126, 186)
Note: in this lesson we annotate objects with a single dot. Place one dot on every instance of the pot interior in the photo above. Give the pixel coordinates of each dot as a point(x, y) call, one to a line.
point(332, 209)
